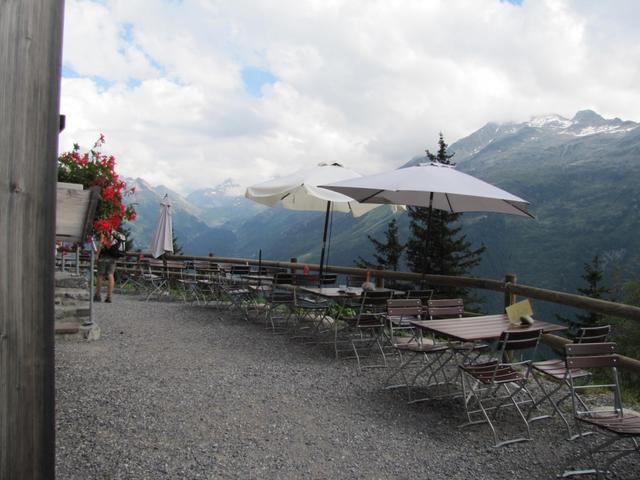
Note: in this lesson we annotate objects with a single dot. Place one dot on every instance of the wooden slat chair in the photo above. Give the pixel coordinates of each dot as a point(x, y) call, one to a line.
point(619, 426)
point(206, 274)
point(235, 292)
point(445, 308)
point(494, 385)
point(355, 280)
point(154, 278)
point(311, 310)
point(129, 273)
point(280, 309)
point(400, 312)
point(556, 371)
point(424, 296)
point(370, 326)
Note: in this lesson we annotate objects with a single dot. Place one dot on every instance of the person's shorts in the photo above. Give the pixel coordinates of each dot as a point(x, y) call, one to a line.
point(106, 266)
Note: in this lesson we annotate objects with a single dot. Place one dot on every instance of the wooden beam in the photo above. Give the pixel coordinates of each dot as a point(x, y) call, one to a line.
point(30, 59)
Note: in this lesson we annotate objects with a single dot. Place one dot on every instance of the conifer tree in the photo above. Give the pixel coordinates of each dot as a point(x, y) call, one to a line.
point(436, 245)
point(388, 253)
point(592, 275)
point(177, 248)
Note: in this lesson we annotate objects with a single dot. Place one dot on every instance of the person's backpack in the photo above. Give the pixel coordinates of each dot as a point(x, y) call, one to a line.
point(118, 246)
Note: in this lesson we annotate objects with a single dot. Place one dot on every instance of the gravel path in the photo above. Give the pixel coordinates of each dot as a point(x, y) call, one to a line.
point(181, 392)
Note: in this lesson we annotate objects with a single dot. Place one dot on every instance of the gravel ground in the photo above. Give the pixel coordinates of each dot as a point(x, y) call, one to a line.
point(182, 392)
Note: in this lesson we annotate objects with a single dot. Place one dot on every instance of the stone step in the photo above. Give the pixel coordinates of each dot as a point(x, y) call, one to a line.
point(77, 312)
point(66, 296)
point(67, 328)
point(69, 280)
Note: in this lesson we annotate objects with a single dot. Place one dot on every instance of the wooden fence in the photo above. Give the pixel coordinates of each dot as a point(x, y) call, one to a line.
point(509, 287)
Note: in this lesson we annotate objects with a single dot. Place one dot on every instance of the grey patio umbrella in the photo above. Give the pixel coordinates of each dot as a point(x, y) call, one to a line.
point(163, 234)
point(432, 185)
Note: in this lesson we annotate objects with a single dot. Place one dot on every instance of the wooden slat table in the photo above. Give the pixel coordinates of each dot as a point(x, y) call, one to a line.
point(486, 327)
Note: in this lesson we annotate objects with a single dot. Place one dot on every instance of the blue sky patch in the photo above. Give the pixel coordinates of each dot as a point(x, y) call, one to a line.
point(126, 32)
point(513, 2)
point(254, 78)
point(102, 83)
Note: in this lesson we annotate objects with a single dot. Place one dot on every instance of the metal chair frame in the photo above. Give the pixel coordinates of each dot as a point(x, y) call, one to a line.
point(614, 422)
point(370, 327)
point(400, 312)
point(491, 386)
point(556, 371)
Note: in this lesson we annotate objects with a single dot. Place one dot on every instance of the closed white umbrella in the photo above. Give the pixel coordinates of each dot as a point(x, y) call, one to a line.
point(300, 191)
point(163, 234)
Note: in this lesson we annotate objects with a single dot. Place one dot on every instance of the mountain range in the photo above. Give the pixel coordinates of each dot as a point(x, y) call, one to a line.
point(580, 176)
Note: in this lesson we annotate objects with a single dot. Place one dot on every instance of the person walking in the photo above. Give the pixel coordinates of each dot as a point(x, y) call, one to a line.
point(109, 250)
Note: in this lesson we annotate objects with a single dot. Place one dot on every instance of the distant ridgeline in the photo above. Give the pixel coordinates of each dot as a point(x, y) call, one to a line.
point(580, 175)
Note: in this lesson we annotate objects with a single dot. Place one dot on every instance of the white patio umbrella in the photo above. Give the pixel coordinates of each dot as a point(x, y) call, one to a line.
point(300, 191)
point(163, 234)
point(432, 185)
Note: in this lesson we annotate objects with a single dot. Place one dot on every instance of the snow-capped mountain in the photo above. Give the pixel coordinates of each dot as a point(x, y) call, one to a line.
point(550, 128)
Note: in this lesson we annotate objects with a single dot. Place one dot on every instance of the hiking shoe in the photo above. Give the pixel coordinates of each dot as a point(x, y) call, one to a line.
point(97, 298)
point(107, 300)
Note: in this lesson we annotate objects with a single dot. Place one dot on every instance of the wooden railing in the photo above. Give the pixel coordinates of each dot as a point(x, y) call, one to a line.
point(509, 287)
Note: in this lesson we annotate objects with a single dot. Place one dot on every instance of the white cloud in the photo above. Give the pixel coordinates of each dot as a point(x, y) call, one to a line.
point(369, 84)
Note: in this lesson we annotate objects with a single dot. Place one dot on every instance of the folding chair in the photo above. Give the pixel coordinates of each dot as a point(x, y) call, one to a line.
point(424, 296)
point(556, 371)
point(400, 313)
point(620, 426)
point(236, 291)
point(369, 326)
point(206, 275)
point(491, 386)
point(311, 310)
point(154, 278)
point(280, 303)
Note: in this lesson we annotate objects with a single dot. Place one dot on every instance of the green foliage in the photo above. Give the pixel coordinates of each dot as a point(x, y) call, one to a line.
point(436, 244)
point(593, 276)
point(177, 248)
point(388, 253)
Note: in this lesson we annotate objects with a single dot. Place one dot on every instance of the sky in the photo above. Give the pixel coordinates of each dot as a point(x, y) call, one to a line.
point(189, 93)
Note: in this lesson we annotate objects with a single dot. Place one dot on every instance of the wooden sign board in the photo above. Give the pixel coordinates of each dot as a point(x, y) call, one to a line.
point(74, 211)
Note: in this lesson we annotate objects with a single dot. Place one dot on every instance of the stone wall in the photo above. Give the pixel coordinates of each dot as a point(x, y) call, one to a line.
point(73, 312)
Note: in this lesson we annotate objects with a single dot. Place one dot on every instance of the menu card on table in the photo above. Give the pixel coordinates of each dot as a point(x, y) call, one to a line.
point(520, 313)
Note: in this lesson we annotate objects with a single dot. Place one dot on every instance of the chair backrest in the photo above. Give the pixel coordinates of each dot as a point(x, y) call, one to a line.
point(423, 295)
point(355, 280)
point(283, 278)
point(446, 307)
point(589, 356)
point(404, 307)
point(375, 300)
point(328, 279)
point(513, 340)
point(240, 269)
point(593, 334)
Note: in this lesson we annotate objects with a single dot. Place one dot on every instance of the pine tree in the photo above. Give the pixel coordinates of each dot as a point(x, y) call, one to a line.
point(435, 244)
point(388, 253)
point(177, 248)
point(592, 275)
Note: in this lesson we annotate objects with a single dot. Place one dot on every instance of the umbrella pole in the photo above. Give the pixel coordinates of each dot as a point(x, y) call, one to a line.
point(425, 261)
point(324, 242)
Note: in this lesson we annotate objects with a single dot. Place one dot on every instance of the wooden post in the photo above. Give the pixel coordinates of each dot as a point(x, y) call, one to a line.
point(30, 55)
point(379, 280)
point(293, 260)
point(509, 297)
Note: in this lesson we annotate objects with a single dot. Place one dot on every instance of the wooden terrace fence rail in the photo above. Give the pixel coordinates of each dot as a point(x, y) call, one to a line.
point(508, 286)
